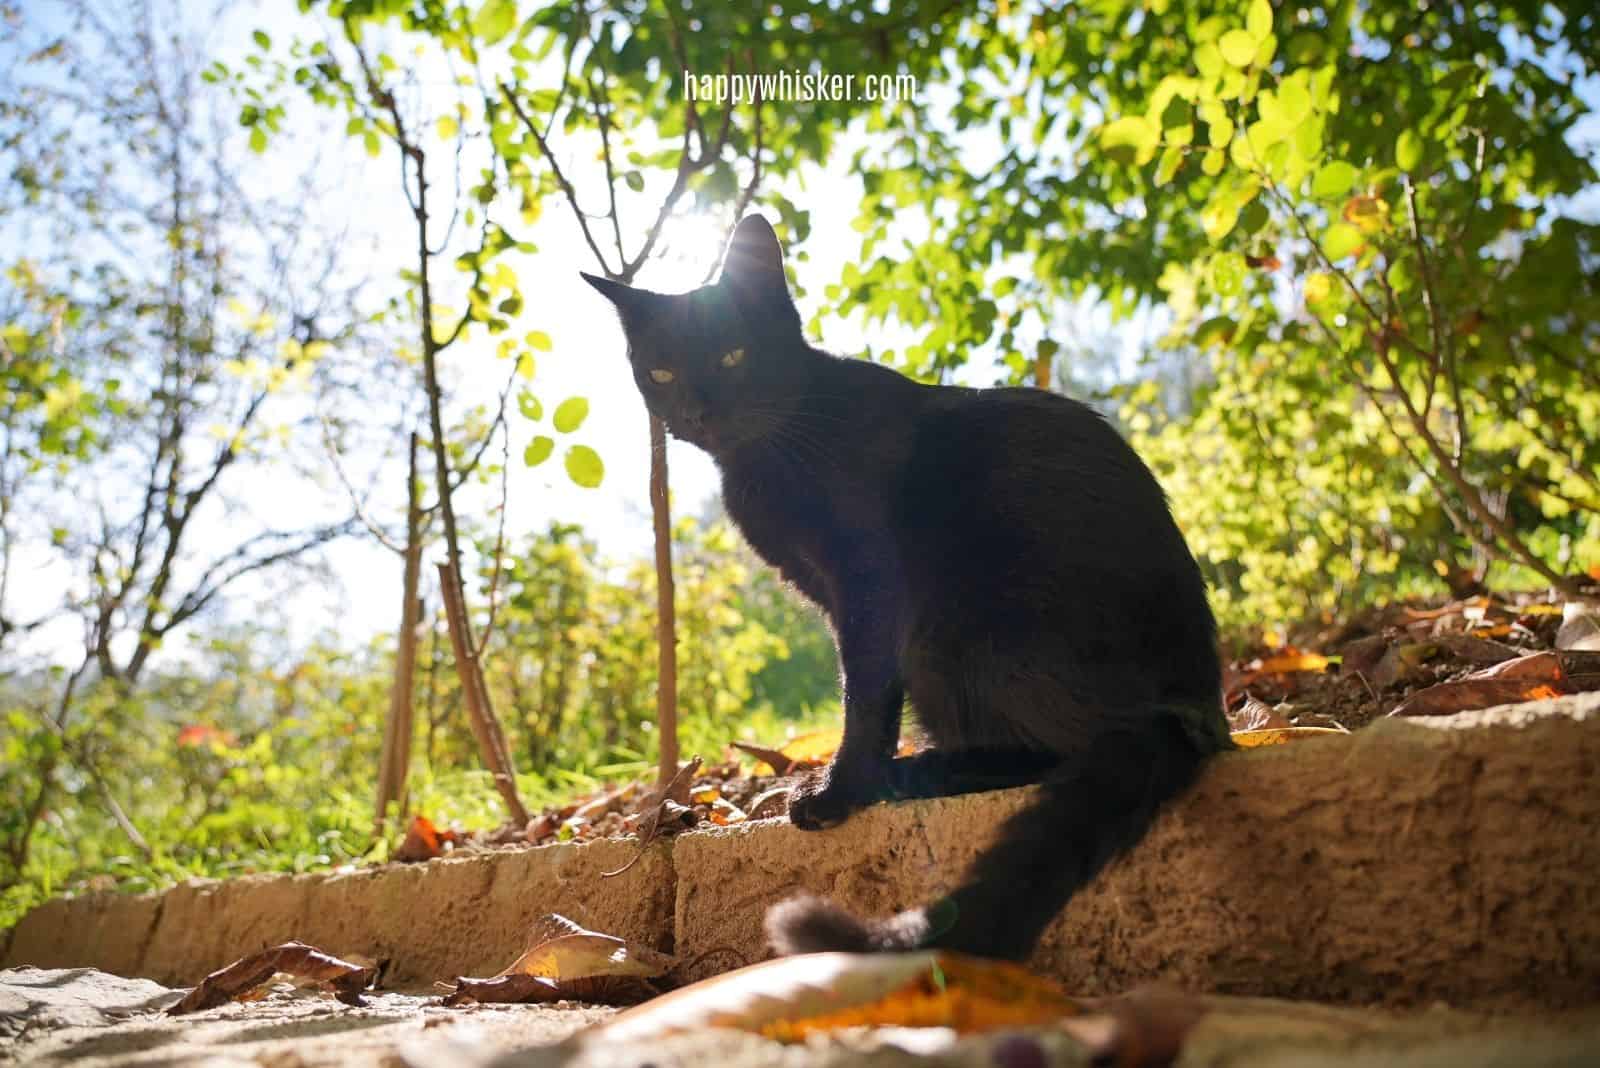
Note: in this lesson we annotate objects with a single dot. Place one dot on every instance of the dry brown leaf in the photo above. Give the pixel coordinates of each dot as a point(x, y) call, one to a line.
point(245, 975)
point(1467, 694)
point(775, 761)
point(1537, 667)
point(564, 961)
point(1255, 715)
point(558, 948)
point(1476, 650)
point(667, 807)
point(1363, 655)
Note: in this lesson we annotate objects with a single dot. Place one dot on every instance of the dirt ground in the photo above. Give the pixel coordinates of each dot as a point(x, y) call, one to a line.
point(88, 1019)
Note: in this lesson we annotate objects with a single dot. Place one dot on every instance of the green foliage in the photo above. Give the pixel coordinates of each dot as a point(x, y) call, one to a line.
point(230, 762)
point(1356, 222)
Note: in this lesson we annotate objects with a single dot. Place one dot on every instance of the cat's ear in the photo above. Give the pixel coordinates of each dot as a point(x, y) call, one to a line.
point(634, 305)
point(753, 265)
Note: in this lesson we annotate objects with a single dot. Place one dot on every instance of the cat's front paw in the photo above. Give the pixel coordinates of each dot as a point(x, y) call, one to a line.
point(818, 802)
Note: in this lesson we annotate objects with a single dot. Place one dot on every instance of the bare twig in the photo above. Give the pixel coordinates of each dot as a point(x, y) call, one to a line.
point(561, 179)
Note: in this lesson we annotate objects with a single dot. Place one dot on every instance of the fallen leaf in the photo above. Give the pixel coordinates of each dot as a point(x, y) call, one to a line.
point(725, 813)
point(1467, 694)
point(775, 761)
point(663, 808)
point(239, 979)
point(1363, 655)
point(1538, 667)
point(564, 961)
point(1292, 660)
point(423, 841)
point(818, 993)
point(1476, 650)
point(1255, 715)
point(1281, 736)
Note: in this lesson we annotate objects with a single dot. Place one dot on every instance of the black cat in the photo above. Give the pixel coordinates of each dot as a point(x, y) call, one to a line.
point(1000, 557)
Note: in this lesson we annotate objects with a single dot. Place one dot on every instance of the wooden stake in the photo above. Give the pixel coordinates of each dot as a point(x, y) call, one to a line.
point(485, 727)
point(395, 763)
point(666, 613)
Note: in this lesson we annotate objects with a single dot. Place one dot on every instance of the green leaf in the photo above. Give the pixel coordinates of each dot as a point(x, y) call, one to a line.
point(1333, 180)
point(584, 466)
point(538, 339)
point(494, 20)
point(448, 127)
point(370, 141)
point(1340, 240)
point(525, 366)
point(529, 405)
point(1213, 162)
point(1318, 286)
point(1167, 169)
point(571, 413)
point(1131, 131)
point(1227, 273)
point(1238, 47)
point(1408, 151)
point(1219, 216)
point(1294, 99)
point(634, 180)
point(258, 140)
point(1259, 21)
point(538, 451)
point(1253, 217)
point(261, 39)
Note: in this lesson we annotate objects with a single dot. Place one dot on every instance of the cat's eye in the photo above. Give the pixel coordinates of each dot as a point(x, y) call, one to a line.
point(733, 358)
point(662, 375)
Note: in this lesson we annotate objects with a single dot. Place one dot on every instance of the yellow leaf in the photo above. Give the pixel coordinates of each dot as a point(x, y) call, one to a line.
point(1280, 736)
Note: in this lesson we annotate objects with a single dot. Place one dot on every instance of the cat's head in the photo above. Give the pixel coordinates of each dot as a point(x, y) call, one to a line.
point(722, 364)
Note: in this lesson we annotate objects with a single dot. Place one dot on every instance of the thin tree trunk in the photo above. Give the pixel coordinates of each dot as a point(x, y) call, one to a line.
point(396, 759)
point(666, 617)
point(486, 728)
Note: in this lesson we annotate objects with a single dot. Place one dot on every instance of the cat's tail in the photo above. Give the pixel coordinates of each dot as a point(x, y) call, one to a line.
point(1090, 809)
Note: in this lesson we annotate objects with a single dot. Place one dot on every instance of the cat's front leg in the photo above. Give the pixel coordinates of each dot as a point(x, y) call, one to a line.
point(873, 698)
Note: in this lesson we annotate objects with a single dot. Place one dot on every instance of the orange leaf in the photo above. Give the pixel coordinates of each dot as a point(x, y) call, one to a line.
point(1292, 660)
point(817, 993)
point(423, 840)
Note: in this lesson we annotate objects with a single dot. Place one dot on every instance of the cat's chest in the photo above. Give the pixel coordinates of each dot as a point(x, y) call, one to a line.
point(802, 518)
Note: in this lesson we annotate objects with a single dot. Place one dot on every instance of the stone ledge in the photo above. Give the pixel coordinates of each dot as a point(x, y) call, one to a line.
point(454, 916)
point(1453, 859)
